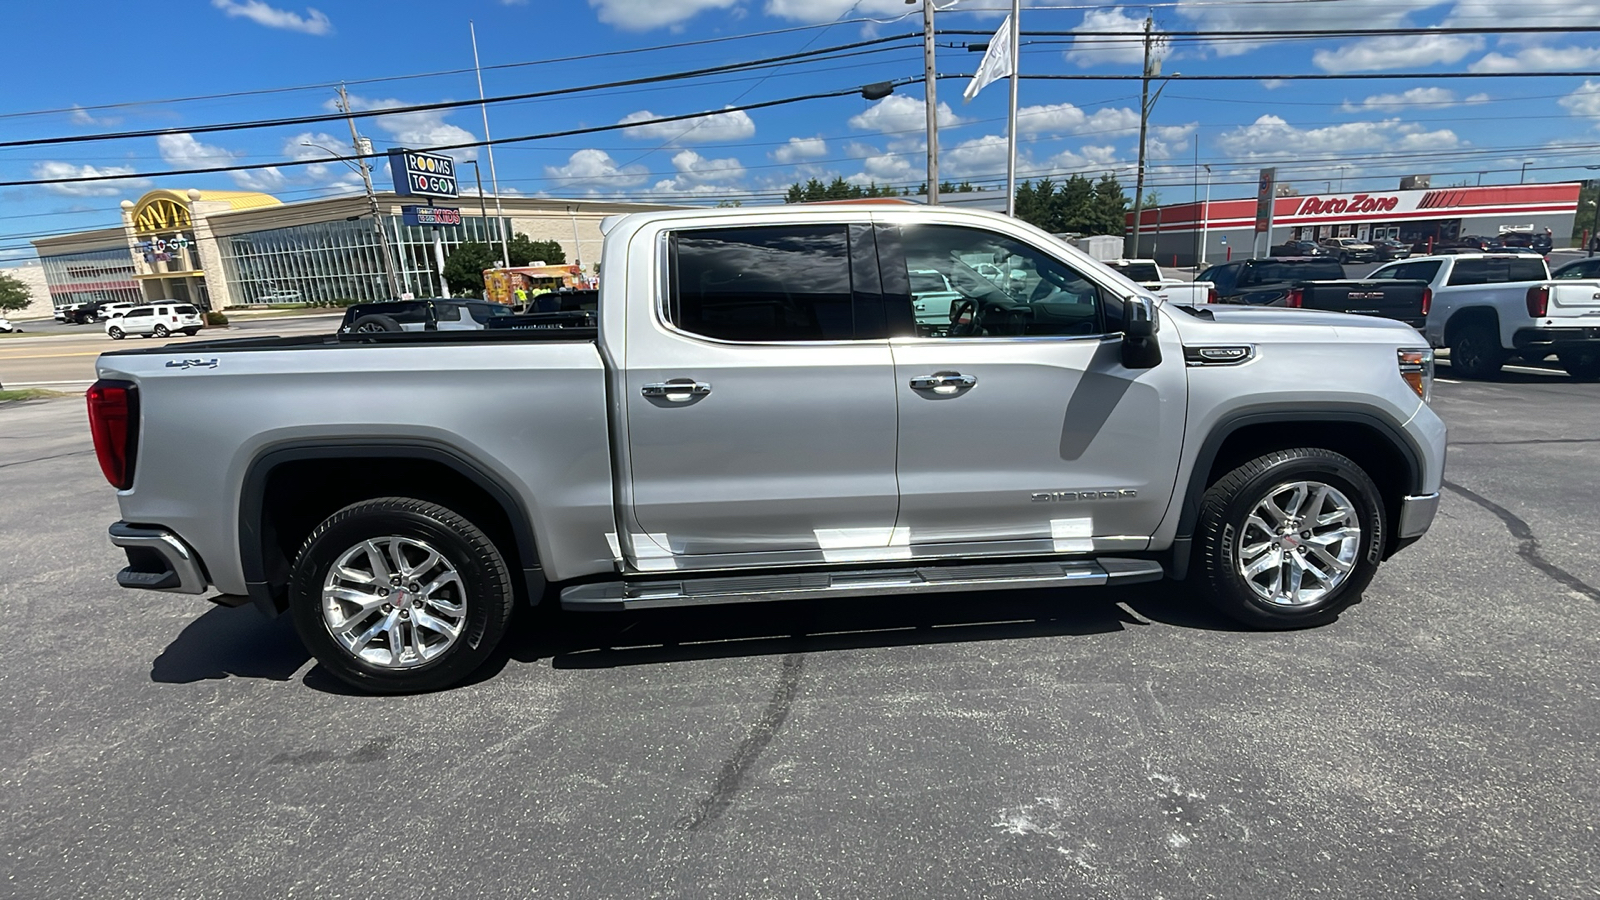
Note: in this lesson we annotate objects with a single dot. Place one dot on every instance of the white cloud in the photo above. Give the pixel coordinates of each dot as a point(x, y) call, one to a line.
point(1584, 102)
point(313, 22)
point(184, 151)
point(830, 10)
point(978, 157)
point(1167, 141)
point(799, 149)
point(417, 130)
point(1422, 96)
point(901, 114)
point(334, 176)
point(81, 116)
point(1269, 135)
point(733, 125)
point(1287, 15)
point(1273, 84)
point(698, 175)
point(643, 15)
point(1095, 51)
point(57, 169)
point(1477, 98)
point(1539, 59)
point(594, 168)
point(1065, 118)
point(1397, 52)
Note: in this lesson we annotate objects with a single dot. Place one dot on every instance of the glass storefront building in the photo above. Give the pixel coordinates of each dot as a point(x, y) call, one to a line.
point(342, 260)
point(91, 276)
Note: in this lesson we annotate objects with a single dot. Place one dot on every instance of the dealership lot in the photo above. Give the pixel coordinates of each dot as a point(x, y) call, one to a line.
point(1438, 740)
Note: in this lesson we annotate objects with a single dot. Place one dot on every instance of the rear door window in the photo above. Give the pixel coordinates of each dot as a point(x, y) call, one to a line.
point(1423, 271)
point(780, 283)
point(185, 310)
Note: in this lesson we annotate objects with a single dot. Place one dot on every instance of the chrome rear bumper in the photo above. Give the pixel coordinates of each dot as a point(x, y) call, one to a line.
point(158, 560)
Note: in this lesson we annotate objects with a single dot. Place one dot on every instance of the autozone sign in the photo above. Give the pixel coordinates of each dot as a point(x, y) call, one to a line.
point(1358, 203)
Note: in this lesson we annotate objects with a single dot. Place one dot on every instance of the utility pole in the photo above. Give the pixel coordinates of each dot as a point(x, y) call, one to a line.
point(930, 100)
point(1131, 247)
point(494, 178)
point(362, 150)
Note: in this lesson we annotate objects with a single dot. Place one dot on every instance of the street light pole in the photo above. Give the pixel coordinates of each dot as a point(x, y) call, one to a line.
point(930, 101)
point(1205, 216)
point(1524, 173)
point(372, 198)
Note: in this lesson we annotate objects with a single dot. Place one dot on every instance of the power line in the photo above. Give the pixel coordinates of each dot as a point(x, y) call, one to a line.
point(458, 104)
point(129, 176)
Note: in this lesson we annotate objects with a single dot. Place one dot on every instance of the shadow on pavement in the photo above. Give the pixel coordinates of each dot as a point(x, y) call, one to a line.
point(231, 642)
point(239, 643)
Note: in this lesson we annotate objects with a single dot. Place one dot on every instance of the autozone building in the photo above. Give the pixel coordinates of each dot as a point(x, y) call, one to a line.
point(1175, 235)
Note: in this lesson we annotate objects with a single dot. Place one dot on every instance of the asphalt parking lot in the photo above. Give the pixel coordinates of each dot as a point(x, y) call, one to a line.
point(1439, 740)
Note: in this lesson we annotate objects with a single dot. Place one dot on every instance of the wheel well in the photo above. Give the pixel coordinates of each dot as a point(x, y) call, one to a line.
point(1368, 447)
point(1473, 316)
point(297, 495)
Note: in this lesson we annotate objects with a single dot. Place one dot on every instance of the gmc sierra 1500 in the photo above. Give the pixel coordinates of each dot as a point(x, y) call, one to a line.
point(761, 414)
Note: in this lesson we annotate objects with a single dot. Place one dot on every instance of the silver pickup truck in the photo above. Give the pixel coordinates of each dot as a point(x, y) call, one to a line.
point(760, 415)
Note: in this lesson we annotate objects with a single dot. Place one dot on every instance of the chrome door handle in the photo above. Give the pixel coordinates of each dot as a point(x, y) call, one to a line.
point(676, 389)
point(943, 382)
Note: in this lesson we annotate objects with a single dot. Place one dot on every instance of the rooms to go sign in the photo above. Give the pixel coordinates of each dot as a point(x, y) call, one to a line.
point(422, 174)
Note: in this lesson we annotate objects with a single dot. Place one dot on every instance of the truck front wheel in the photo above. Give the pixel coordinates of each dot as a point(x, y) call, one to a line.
point(396, 595)
point(1289, 539)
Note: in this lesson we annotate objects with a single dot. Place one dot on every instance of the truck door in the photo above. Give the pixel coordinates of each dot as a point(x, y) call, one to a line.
point(1020, 430)
point(760, 402)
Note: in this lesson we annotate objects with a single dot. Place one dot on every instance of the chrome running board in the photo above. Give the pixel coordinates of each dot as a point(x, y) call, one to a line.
point(651, 594)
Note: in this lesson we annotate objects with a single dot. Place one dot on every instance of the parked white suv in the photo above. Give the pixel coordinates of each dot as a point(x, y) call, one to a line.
point(156, 320)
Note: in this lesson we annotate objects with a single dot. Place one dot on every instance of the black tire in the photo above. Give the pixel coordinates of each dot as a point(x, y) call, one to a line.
point(191, 332)
point(374, 323)
point(160, 331)
point(485, 592)
point(1228, 506)
point(116, 333)
point(1581, 364)
point(1475, 351)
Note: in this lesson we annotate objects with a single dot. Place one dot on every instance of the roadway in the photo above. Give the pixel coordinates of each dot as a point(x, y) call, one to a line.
point(61, 357)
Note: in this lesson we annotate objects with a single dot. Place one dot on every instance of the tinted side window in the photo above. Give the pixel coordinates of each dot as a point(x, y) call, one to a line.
point(1419, 270)
point(1470, 271)
point(185, 310)
point(1000, 287)
point(773, 283)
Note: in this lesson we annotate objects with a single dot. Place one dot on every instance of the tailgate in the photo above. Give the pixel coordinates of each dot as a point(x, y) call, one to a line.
point(1388, 298)
point(1574, 298)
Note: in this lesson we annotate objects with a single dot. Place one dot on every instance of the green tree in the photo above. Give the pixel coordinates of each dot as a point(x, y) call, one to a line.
point(1077, 206)
point(1110, 207)
point(463, 268)
point(14, 294)
point(525, 251)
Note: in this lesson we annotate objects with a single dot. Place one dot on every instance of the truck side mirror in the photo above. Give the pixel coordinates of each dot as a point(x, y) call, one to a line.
point(1140, 349)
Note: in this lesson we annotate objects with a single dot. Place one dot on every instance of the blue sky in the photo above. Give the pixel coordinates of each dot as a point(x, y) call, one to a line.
point(103, 70)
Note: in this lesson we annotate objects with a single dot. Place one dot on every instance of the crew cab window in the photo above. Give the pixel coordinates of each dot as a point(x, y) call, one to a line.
point(1271, 272)
point(999, 287)
point(770, 283)
point(1423, 271)
point(1139, 271)
point(1579, 270)
point(1498, 271)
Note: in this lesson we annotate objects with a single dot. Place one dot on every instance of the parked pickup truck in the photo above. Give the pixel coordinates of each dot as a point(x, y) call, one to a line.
point(1148, 275)
point(759, 415)
point(1489, 307)
point(1317, 283)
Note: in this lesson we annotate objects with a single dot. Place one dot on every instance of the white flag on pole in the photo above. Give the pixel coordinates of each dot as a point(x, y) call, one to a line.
point(997, 62)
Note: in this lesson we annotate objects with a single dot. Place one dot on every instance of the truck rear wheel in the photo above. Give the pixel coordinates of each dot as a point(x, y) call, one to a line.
point(396, 595)
point(1581, 364)
point(1290, 539)
point(1475, 351)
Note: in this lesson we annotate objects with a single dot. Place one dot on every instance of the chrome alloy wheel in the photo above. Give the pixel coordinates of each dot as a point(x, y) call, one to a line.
point(1299, 543)
point(394, 602)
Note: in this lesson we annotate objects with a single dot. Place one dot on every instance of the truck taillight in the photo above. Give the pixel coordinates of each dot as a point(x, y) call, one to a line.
point(114, 424)
point(1296, 298)
point(1211, 295)
point(1416, 368)
point(1427, 300)
point(1538, 300)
